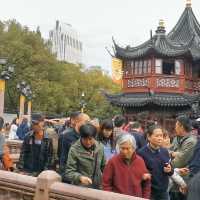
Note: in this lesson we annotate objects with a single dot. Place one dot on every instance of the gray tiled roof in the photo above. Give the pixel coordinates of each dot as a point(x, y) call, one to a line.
point(160, 99)
point(184, 39)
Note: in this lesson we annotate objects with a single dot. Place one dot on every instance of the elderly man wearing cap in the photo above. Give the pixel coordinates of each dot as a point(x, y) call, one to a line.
point(37, 149)
point(126, 172)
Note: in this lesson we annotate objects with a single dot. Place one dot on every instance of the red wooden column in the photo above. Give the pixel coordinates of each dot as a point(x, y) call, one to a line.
point(152, 83)
point(182, 77)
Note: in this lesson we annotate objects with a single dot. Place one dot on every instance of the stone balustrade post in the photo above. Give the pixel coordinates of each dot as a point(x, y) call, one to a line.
point(44, 181)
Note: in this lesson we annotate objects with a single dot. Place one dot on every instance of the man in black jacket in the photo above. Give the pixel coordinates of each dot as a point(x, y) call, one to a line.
point(135, 130)
point(67, 129)
point(37, 149)
point(70, 138)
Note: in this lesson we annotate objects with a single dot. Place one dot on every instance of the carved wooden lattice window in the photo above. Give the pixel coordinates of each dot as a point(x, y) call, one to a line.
point(125, 68)
point(149, 66)
point(188, 69)
point(196, 71)
point(140, 67)
point(145, 67)
point(158, 65)
point(132, 67)
point(129, 69)
point(168, 67)
point(136, 67)
point(178, 67)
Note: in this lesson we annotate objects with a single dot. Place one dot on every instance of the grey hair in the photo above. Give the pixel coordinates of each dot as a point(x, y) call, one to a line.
point(125, 138)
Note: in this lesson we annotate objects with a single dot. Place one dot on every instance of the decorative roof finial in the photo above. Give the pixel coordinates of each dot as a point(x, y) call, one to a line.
point(162, 23)
point(188, 3)
point(161, 27)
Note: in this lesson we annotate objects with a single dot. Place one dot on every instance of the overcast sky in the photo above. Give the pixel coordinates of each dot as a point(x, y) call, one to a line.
point(129, 21)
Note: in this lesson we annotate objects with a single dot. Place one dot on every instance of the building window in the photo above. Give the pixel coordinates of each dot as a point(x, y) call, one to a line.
point(188, 69)
point(178, 67)
point(168, 67)
point(149, 66)
point(127, 65)
point(136, 67)
point(124, 68)
point(158, 65)
point(145, 66)
point(140, 66)
point(132, 67)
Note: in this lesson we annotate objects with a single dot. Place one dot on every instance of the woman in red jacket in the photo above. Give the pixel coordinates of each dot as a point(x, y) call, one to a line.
point(126, 172)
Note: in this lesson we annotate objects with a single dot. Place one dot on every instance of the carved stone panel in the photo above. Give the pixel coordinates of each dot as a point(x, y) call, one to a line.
point(196, 85)
point(167, 83)
point(132, 83)
point(188, 84)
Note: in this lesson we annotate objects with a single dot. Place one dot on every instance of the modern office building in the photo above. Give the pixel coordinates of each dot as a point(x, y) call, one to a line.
point(66, 43)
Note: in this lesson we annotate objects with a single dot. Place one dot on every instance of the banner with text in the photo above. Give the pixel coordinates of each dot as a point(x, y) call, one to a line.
point(117, 70)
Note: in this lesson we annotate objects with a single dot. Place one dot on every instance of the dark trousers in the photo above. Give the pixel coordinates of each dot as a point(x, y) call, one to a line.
point(159, 195)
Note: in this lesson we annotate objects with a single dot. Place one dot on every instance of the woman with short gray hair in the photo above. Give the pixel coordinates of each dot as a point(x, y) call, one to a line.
point(126, 138)
point(125, 172)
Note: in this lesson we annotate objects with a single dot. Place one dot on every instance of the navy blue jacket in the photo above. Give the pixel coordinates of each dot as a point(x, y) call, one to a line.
point(155, 161)
point(67, 140)
point(60, 141)
point(22, 130)
point(140, 139)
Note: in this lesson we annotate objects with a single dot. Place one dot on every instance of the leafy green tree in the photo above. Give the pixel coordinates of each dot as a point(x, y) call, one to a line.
point(57, 86)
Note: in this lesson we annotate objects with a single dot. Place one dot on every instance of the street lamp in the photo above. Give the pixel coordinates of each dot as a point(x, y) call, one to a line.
point(25, 92)
point(6, 72)
point(83, 103)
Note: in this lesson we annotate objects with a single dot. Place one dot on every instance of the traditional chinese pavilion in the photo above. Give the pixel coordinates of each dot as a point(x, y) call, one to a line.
point(161, 77)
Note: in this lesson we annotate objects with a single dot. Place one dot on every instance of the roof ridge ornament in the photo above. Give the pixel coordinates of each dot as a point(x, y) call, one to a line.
point(162, 23)
point(188, 3)
point(161, 27)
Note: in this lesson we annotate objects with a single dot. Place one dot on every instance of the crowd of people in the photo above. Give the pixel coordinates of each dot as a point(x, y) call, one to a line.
point(111, 155)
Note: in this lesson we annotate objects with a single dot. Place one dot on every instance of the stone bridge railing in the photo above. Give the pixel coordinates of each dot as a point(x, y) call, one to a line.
point(14, 148)
point(16, 186)
point(48, 186)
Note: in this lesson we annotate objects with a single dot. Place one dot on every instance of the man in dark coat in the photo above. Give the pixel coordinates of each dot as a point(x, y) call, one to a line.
point(70, 138)
point(37, 149)
point(135, 131)
point(66, 130)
